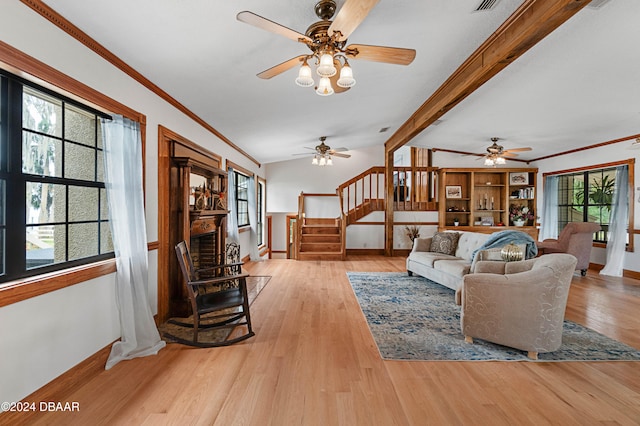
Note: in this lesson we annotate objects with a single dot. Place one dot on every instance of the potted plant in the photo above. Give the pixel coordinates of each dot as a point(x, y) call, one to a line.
point(519, 215)
point(413, 232)
point(456, 221)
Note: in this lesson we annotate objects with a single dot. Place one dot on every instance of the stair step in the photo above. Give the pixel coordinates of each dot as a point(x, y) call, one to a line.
point(325, 221)
point(320, 229)
point(321, 247)
point(320, 238)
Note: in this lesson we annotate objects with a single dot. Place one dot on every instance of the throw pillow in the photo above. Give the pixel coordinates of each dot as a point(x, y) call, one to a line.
point(445, 242)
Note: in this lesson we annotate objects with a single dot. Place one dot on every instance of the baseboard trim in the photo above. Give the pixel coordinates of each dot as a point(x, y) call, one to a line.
point(60, 388)
point(356, 252)
point(625, 272)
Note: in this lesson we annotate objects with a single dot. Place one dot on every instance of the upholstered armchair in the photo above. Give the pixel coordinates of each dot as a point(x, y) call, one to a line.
point(577, 239)
point(522, 306)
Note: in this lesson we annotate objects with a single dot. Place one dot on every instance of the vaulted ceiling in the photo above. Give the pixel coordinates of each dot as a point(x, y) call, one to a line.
point(576, 87)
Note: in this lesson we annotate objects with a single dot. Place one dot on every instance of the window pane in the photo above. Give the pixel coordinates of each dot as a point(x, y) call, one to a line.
point(106, 243)
point(41, 113)
point(83, 203)
point(79, 162)
point(100, 167)
point(83, 240)
point(45, 245)
point(243, 213)
point(46, 203)
point(41, 155)
point(104, 205)
point(79, 126)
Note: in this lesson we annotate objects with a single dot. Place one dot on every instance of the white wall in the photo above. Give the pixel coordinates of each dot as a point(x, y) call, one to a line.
point(42, 337)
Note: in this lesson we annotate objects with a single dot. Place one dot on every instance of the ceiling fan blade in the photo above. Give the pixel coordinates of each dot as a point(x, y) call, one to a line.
point(340, 149)
point(339, 154)
point(508, 154)
point(267, 25)
point(280, 68)
point(517, 149)
point(350, 16)
point(389, 55)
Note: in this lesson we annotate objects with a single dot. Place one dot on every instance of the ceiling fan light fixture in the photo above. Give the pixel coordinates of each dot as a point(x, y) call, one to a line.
point(500, 160)
point(322, 162)
point(329, 161)
point(488, 161)
point(346, 76)
point(326, 68)
point(324, 87)
point(304, 76)
point(315, 160)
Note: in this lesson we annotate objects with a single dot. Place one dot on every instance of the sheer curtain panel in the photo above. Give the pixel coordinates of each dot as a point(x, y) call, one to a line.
point(123, 180)
point(549, 227)
point(618, 225)
point(254, 254)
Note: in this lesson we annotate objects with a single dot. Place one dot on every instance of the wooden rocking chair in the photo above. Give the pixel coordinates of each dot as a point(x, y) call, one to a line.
point(222, 297)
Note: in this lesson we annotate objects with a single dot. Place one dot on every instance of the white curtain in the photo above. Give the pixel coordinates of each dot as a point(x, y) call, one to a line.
point(232, 218)
point(618, 225)
point(123, 180)
point(254, 254)
point(549, 227)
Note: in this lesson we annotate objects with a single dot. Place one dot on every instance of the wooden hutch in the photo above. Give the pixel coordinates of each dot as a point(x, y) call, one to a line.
point(198, 216)
point(480, 199)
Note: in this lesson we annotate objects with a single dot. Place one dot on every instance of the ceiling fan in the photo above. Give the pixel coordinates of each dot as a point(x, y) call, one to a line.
point(327, 41)
point(323, 153)
point(496, 153)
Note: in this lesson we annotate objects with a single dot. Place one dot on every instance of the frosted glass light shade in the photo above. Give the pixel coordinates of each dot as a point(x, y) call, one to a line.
point(324, 87)
point(346, 77)
point(501, 160)
point(304, 76)
point(322, 161)
point(329, 161)
point(315, 160)
point(326, 67)
point(488, 162)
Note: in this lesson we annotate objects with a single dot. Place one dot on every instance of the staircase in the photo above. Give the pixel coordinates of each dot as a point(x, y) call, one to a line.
point(321, 239)
point(325, 238)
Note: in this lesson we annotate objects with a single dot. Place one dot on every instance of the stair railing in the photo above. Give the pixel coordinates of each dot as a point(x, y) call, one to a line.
point(364, 189)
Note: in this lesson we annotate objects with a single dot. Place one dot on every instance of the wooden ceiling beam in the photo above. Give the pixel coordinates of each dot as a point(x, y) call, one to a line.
point(533, 21)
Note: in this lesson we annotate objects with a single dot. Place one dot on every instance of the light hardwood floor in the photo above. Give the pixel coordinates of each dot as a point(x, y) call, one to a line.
point(313, 362)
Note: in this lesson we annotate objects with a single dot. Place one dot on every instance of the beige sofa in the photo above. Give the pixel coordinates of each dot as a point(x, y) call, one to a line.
point(445, 269)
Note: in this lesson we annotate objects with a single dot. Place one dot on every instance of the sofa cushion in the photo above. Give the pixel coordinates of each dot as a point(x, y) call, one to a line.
point(457, 267)
point(428, 258)
point(468, 243)
point(445, 242)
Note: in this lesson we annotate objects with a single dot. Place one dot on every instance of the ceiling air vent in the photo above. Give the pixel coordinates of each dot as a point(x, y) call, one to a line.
point(486, 5)
point(384, 129)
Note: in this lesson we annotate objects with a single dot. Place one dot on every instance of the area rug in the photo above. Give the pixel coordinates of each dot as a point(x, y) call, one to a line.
point(255, 284)
point(413, 318)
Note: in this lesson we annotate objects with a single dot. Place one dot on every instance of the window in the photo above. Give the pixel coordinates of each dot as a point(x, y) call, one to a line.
point(54, 180)
point(242, 199)
point(586, 196)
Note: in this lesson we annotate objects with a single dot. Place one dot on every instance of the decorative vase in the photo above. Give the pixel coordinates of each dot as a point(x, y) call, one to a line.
point(511, 253)
point(518, 222)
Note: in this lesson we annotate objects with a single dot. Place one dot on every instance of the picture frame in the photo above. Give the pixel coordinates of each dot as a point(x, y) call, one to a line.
point(453, 191)
point(519, 178)
point(487, 221)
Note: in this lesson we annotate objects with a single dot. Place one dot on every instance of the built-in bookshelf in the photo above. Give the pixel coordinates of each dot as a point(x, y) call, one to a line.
point(480, 200)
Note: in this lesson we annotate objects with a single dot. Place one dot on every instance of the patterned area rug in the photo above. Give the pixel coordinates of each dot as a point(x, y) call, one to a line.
point(255, 284)
point(413, 318)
